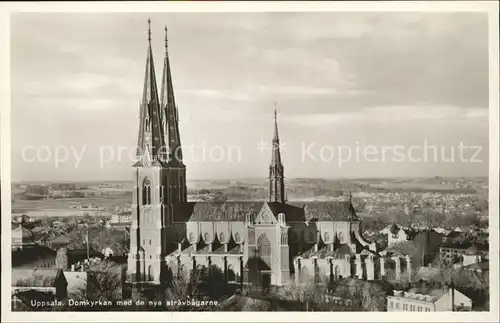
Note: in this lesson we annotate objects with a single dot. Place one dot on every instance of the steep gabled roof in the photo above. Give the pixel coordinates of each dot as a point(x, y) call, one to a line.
point(216, 211)
point(328, 211)
point(237, 211)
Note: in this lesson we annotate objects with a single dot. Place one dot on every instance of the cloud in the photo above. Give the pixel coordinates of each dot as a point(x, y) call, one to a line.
point(390, 115)
point(382, 74)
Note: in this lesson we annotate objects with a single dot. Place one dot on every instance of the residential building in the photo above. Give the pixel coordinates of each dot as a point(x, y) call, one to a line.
point(22, 238)
point(456, 251)
point(49, 281)
point(428, 300)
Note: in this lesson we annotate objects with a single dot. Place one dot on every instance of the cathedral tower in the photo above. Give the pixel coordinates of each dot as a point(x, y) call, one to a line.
point(159, 176)
point(276, 170)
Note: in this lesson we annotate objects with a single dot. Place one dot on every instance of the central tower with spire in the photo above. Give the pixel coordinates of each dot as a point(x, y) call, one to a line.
point(276, 170)
point(159, 175)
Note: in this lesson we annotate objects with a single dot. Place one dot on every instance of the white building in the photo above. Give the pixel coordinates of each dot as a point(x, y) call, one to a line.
point(471, 256)
point(435, 300)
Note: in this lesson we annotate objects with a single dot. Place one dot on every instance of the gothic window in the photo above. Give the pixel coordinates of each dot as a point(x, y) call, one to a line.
point(150, 273)
point(206, 237)
point(221, 237)
point(181, 187)
point(191, 237)
point(146, 192)
point(326, 237)
point(230, 273)
point(237, 237)
point(341, 237)
point(147, 124)
point(264, 246)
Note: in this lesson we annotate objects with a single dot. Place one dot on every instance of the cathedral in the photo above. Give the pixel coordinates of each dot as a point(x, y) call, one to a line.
point(262, 243)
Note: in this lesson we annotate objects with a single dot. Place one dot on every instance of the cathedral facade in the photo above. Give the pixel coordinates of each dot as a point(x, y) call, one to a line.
point(263, 243)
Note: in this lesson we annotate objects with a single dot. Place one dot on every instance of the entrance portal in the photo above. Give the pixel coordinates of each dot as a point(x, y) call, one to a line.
point(266, 281)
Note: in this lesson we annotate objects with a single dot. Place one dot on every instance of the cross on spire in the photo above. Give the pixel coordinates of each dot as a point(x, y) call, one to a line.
point(166, 38)
point(149, 29)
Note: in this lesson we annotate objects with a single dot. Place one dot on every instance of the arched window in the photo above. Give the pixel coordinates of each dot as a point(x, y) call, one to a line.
point(341, 236)
point(222, 238)
point(326, 237)
point(264, 247)
point(181, 188)
point(206, 237)
point(191, 237)
point(182, 271)
point(230, 273)
point(150, 273)
point(237, 237)
point(146, 192)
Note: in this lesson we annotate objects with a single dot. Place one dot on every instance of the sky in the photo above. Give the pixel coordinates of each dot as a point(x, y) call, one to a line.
point(343, 84)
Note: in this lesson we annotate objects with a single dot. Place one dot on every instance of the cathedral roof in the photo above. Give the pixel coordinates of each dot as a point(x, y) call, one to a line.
point(215, 211)
point(342, 251)
point(328, 211)
point(237, 211)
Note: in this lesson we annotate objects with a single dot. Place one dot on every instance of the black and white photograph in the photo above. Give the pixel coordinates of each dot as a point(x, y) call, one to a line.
point(171, 160)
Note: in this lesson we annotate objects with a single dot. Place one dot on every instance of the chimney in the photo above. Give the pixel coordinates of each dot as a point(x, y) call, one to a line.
point(225, 247)
point(179, 246)
point(73, 267)
point(316, 247)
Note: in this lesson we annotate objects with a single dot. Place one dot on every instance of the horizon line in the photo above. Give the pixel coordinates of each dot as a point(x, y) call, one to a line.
point(257, 178)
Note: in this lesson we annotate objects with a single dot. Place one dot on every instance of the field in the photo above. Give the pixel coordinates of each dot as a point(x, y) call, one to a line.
point(119, 194)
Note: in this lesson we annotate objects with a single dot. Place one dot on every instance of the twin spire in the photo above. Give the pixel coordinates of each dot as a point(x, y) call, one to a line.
point(159, 140)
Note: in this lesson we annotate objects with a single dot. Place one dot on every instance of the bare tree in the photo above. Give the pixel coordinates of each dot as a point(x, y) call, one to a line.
point(62, 258)
point(104, 282)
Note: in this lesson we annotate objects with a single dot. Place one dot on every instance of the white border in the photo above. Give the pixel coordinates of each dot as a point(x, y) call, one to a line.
point(490, 7)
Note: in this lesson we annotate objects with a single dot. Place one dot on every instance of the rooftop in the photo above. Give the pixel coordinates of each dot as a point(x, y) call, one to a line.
point(237, 211)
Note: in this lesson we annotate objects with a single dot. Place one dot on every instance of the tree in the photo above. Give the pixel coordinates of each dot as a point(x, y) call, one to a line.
point(62, 258)
point(104, 282)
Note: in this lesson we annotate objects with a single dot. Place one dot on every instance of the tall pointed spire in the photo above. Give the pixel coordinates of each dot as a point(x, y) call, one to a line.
point(150, 143)
point(276, 154)
point(170, 118)
point(276, 170)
